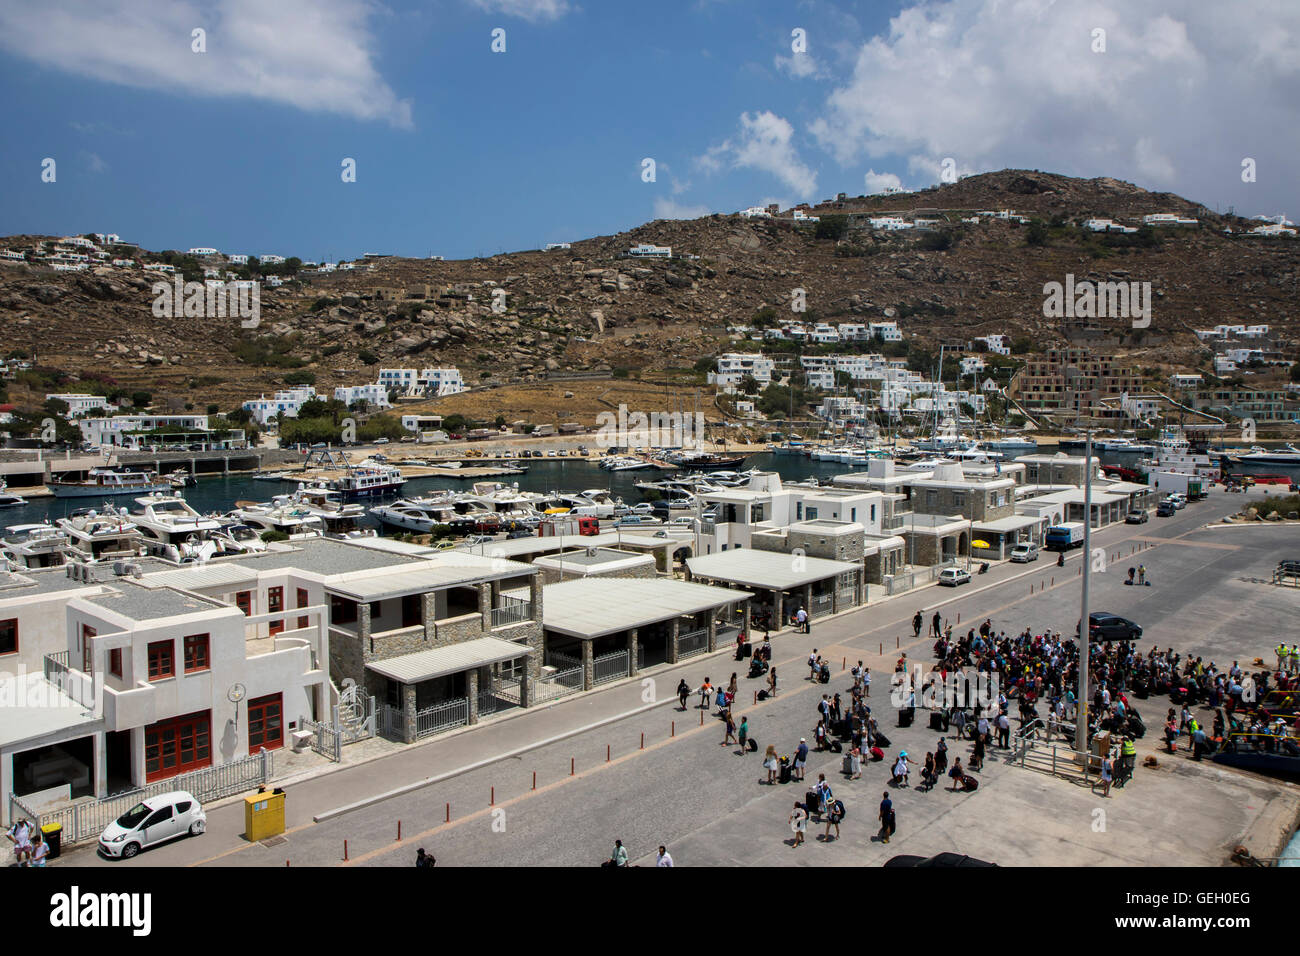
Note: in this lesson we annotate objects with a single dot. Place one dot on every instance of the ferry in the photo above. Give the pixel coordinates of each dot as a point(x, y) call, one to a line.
point(107, 481)
point(1174, 453)
point(368, 480)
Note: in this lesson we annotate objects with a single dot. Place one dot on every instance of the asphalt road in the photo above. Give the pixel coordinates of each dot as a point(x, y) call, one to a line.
point(707, 802)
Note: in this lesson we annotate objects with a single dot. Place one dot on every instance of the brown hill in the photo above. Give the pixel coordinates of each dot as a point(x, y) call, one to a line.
point(586, 308)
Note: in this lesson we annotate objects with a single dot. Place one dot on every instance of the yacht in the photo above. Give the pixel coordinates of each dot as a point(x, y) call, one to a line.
point(1174, 453)
point(175, 531)
point(975, 453)
point(624, 463)
point(1013, 446)
point(107, 481)
point(8, 499)
point(98, 535)
point(1286, 455)
point(368, 480)
point(285, 517)
point(416, 514)
point(1124, 445)
point(41, 545)
point(180, 478)
point(340, 519)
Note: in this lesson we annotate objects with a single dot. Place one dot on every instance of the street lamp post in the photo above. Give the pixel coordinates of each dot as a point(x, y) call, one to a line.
point(1085, 631)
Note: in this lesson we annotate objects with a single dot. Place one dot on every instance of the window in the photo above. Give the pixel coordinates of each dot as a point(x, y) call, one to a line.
point(342, 611)
point(873, 513)
point(176, 746)
point(275, 602)
point(115, 662)
point(158, 816)
point(303, 600)
point(411, 613)
point(161, 664)
point(196, 653)
point(244, 601)
point(9, 636)
point(87, 658)
point(812, 514)
point(265, 729)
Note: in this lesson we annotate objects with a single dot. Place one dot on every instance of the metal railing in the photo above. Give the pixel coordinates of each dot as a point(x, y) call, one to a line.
point(509, 690)
point(440, 717)
point(846, 597)
point(561, 683)
point(691, 643)
point(608, 667)
point(86, 821)
point(561, 661)
point(512, 612)
point(820, 605)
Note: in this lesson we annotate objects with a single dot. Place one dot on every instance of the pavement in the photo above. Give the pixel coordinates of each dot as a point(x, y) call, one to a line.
point(556, 785)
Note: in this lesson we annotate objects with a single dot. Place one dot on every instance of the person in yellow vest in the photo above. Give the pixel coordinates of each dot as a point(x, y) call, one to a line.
point(1283, 656)
point(1295, 658)
point(1127, 760)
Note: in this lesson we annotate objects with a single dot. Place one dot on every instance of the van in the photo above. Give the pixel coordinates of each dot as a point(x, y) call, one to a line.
point(1024, 553)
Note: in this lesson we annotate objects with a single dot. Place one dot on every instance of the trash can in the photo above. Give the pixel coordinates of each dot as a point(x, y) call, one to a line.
point(263, 815)
point(52, 834)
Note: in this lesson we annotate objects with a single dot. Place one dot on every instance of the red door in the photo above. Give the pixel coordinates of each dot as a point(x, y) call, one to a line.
point(265, 726)
point(302, 602)
point(177, 745)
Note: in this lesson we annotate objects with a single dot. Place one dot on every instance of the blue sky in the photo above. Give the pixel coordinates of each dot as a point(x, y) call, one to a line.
point(461, 151)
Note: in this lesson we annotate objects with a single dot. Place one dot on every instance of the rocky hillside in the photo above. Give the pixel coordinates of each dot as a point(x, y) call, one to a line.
point(586, 308)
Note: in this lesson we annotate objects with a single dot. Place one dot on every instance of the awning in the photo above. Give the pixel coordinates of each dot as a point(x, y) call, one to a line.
point(425, 665)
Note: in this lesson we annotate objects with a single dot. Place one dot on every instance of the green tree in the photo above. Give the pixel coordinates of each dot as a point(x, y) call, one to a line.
point(1037, 234)
point(832, 227)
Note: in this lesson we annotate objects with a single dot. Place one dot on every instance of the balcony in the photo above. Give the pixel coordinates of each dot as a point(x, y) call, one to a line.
point(512, 612)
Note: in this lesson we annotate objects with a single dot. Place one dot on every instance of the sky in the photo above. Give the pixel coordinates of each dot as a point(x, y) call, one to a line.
point(237, 137)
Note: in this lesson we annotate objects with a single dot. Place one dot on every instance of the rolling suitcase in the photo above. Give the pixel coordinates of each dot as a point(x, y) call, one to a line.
point(812, 803)
point(882, 740)
point(752, 744)
point(762, 695)
point(785, 770)
point(905, 716)
point(847, 767)
point(836, 746)
point(969, 783)
point(938, 721)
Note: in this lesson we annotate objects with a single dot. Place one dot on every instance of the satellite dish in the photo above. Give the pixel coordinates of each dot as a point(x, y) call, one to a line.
point(236, 693)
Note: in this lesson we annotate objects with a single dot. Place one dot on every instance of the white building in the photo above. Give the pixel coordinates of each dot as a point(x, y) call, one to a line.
point(647, 250)
point(734, 366)
point(77, 241)
point(824, 334)
point(124, 263)
point(286, 401)
point(971, 365)
point(427, 381)
point(888, 331)
point(375, 395)
point(203, 251)
point(800, 216)
point(13, 256)
point(1272, 229)
point(854, 332)
point(821, 378)
point(1223, 364)
point(80, 403)
point(238, 259)
point(271, 260)
point(1107, 225)
point(1184, 380)
point(756, 212)
point(889, 223)
point(997, 344)
point(114, 431)
point(552, 246)
point(108, 238)
point(1167, 219)
point(160, 267)
point(274, 281)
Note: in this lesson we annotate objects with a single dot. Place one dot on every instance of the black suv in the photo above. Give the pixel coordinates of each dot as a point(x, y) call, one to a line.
point(1104, 626)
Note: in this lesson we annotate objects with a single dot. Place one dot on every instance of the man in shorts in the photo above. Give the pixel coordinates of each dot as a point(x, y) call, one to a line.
point(800, 758)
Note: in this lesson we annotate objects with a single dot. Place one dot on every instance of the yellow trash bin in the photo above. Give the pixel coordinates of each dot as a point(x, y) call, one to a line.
point(263, 815)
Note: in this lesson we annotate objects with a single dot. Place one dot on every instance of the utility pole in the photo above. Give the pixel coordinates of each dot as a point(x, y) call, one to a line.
point(1081, 722)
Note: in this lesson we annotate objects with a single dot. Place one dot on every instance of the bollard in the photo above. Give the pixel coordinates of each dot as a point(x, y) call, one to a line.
point(571, 766)
point(286, 862)
point(643, 740)
point(674, 730)
point(345, 851)
point(606, 753)
point(701, 718)
point(492, 801)
point(449, 813)
point(755, 698)
point(1054, 579)
point(959, 617)
point(399, 831)
point(534, 779)
point(896, 644)
point(882, 650)
point(844, 664)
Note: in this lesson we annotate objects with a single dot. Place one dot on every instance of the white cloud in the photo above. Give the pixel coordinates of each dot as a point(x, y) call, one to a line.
point(997, 83)
point(878, 182)
point(799, 65)
point(94, 162)
point(766, 144)
point(530, 10)
point(672, 209)
point(315, 55)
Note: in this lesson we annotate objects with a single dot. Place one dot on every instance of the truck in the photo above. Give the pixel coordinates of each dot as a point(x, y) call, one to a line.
point(1175, 482)
point(567, 524)
point(1063, 537)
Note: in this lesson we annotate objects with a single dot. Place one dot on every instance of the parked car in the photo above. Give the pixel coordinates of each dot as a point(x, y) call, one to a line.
point(152, 821)
point(686, 520)
point(1024, 553)
point(628, 521)
point(953, 576)
point(1104, 626)
point(381, 441)
point(1177, 500)
point(519, 533)
point(1166, 509)
point(444, 544)
point(1137, 516)
point(480, 539)
point(643, 508)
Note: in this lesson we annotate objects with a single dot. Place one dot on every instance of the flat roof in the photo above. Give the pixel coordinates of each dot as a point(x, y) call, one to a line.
point(592, 607)
point(602, 558)
point(39, 708)
point(931, 522)
point(149, 604)
point(1014, 523)
point(514, 547)
point(452, 659)
point(766, 569)
point(446, 570)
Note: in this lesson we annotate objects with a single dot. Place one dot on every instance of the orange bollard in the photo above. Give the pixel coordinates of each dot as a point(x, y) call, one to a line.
point(701, 718)
point(449, 813)
point(399, 831)
point(674, 730)
point(571, 766)
point(534, 779)
point(643, 740)
point(756, 698)
point(345, 851)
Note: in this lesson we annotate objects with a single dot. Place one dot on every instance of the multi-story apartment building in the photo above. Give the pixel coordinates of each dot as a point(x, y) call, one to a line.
point(1073, 380)
point(79, 403)
point(734, 366)
point(286, 401)
point(374, 394)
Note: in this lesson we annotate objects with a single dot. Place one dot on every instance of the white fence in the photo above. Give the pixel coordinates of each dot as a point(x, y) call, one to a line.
point(608, 667)
point(558, 684)
point(906, 581)
point(691, 643)
point(85, 821)
point(512, 611)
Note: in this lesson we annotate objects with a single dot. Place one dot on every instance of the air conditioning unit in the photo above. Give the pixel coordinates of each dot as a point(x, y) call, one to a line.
point(591, 552)
point(121, 568)
point(137, 571)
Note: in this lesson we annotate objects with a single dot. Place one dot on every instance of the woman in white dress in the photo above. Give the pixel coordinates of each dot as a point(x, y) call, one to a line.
point(798, 822)
point(900, 769)
point(855, 764)
point(771, 763)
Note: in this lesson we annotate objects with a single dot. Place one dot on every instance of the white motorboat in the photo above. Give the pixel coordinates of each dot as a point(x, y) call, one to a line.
point(625, 463)
point(39, 545)
point(293, 520)
point(8, 499)
point(99, 535)
point(416, 514)
point(1286, 455)
point(340, 519)
point(175, 531)
point(100, 482)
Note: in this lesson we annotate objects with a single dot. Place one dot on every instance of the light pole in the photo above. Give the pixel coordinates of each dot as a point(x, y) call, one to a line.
point(1085, 631)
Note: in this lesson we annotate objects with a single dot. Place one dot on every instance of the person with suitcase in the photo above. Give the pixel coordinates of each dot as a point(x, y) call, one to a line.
point(798, 822)
point(888, 822)
point(772, 764)
point(742, 736)
point(956, 774)
point(834, 814)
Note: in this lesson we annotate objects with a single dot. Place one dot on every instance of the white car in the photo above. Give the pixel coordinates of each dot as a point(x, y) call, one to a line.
point(1024, 553)
point(152, 821)
point(1178, 500)
point(953, 577)
point(643, 508)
